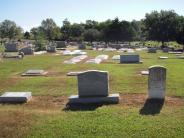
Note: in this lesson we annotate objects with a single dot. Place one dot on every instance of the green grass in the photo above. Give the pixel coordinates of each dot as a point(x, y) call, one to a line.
point(49, 118)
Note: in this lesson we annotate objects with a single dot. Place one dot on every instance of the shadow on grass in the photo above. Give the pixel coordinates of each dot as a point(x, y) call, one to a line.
point(152, 107)
point(82, 107)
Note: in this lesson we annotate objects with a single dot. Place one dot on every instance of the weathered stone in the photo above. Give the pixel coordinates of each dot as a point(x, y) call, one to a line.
point(129, 59)
point(157, 82)
point(15, 97)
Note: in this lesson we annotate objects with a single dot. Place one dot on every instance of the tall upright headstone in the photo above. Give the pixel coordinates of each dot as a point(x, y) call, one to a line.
point(93, 83)
point(93, 87)
point(157, 82)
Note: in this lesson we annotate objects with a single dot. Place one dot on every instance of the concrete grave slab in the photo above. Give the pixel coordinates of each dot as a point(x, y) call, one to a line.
point(161, 57)
point(15, 97)
point(35, 72)
point(116, 57)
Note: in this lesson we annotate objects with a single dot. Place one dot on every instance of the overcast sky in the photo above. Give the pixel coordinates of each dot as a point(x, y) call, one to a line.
point(30, 13)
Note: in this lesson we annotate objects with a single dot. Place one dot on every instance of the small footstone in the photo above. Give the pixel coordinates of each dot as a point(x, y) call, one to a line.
point(145, 72)
point(163, 57)
point(15, 97)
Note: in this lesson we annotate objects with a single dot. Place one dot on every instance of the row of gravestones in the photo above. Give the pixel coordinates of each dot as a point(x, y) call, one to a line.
point(93, 87)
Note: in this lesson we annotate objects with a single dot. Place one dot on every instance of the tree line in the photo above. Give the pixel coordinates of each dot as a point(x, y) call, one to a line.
point(163, 26)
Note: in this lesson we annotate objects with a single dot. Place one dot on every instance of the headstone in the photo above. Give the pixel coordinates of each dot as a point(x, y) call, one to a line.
point(129, 59)
point(93, 87)
point(157, 82)
point(11, 47)
point(27, 50)
point(61, 44)
point(51, 49)
point(82, 46)
point(152, 50)
point(15, 97)
point(165, 50)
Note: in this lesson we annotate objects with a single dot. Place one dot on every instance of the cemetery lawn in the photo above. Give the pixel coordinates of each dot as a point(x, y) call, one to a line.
point(46, 115)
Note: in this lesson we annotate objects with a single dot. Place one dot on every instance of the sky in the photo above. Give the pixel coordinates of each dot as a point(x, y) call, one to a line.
point(30, 13)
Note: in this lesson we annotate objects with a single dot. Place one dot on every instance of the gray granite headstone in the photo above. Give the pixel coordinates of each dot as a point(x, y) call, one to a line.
point(15, 97)
point(157, 82)
point(11, 47)
point(60, 44)
point(81, 46)
point(129, 59)
point(51, 49)
point(93, 83)
point(27, 50)
point(165, 50)
point(93, 88)
point(152, 50)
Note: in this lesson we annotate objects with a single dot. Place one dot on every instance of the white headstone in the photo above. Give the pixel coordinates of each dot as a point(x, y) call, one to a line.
point(157, 82)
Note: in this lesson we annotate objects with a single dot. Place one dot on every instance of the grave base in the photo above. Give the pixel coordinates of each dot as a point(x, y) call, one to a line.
point(111, 99)
point(140, 62)
point(15, 97)
point(34, 74)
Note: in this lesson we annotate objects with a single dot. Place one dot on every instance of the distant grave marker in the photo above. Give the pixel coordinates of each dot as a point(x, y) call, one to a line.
point(152, 50)
point(35, 73)
point(130, 59)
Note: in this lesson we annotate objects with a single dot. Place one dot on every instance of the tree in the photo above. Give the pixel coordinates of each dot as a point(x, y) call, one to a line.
point(180, 31)
point(118, 31)
point(91, 24)
point(161, 26)
point(76, 30)
point(27, 35)
point(9, 29)
point(50, 29)
point(137, 28)
point(66, 29)
point(91, 35)
point(39, 37)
